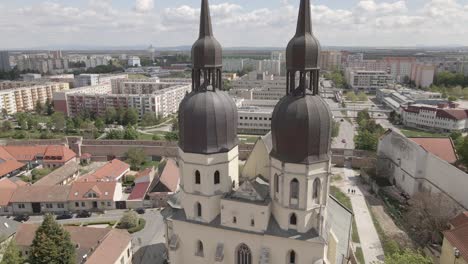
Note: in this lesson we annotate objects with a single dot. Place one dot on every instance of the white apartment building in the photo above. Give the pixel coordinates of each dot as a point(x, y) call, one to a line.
point(22, 99)
point(254, 120)
point(134, 61)
point(145, 96)
point(441, 118)
point(367, 81)
point(270, 66)
point(84, 80)
point(97, 60)
point(5, 61)
point(30, 77)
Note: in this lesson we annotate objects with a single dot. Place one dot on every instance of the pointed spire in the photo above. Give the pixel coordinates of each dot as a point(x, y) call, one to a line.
point(304, 22)
point(205, 20)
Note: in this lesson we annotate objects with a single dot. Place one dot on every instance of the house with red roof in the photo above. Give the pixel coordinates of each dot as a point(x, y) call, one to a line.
point(94, 196)
point(7, 189)
point(9, 166)
point(166, 185)
point(455, 245)
point(114, 170)
point(51, 156)
point(422, 165)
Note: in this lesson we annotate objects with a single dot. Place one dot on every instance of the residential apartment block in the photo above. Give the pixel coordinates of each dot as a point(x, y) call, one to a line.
point(146, 96)
point(330, 60)
point(423, 74)
point(24, 97)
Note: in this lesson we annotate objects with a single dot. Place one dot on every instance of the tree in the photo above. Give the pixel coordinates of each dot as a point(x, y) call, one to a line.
point(136, 157)
point(362, 97)
point(149, 119)
point(6, 126)
point(407, 257)
point(129, 220)
point(99, 124)
point(110, 115)
point(175, 125)
point(462, 150)
point(12, 254)
point(39, 107)
point(4, 113)
point(21, 118)
point(428, 215)
point(351, 96)
point(130, 133)
point(157, 138)
point(52, 244)
point(465, 93)
point(115, 134)
point(69, 125)
point(33, 123)
point(366, 140)
point(58, 120)
point(49, 107)
point(363, 116)
point(130, 117)
point(171, 136)
point(452, 98)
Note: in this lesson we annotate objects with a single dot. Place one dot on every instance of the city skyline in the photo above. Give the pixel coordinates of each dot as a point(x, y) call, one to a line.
point(113, 23)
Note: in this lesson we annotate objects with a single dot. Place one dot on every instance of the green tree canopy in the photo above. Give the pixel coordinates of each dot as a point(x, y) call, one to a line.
point(130, 133)
point(129, 220)
point(136, 157)
point(7, 126)
point(99, 124)
point(462, 149)
point(110, 115)
point(39, 107)
point(130, 117)
point(12, 254)
point(407, 257)
point(52, 244)
point(58, 120)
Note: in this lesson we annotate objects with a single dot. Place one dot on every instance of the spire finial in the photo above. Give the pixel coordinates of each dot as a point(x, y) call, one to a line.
point(205, 20)
point(303, 22)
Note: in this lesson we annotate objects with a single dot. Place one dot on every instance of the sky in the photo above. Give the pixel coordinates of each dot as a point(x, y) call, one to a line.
point(236, 23)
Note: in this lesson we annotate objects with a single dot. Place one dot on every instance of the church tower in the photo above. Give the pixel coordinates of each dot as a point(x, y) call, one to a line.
point(301, 135)
point(208, 141)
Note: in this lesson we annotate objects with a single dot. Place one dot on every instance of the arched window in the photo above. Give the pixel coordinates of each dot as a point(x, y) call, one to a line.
point(294, 189)
point(198, 209)
point(292, 257)
point(316, 190)
point(197, 177)
point(293, 219)
point(199, 249)
point(252, 222)
point(243, 254)
point(234, 220)
point(216, 177)
point(276, 183)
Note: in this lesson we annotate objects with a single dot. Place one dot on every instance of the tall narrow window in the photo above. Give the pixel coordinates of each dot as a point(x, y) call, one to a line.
point(292, 257)
point(197, 177)
point(244, 255)
point(294, 189)
point(199, 250)
point(293, 219)
point(198, 209)
point(216, 177)
point(316, 190)
point(276, 183)
point(234, 220)
point(252, 222)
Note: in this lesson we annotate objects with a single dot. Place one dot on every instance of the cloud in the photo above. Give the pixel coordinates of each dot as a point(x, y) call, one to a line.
point(101, 22)
point(144, 6)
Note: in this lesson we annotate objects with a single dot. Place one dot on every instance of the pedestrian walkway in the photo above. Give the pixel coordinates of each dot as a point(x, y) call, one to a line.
point(370, 242)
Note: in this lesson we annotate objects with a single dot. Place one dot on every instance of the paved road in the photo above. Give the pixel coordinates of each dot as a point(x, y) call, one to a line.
point(148, 244)
point(113, 215)
point(370, 242)
point(347, 132)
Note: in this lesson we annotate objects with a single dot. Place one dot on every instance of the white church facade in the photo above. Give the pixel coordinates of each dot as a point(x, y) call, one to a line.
point(279, 217)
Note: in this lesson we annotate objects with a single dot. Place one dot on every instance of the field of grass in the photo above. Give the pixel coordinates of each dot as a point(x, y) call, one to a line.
point(344, 199)
point(360, 255)
point(248, 139)
point(419, 133)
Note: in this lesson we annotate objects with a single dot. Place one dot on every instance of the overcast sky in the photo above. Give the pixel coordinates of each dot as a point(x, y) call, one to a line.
point(262, 23)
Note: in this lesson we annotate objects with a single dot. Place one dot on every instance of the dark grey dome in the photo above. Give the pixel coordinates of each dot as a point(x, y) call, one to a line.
point(301, 129)
point(206, 51)
point(303, 51)
point(207, 123)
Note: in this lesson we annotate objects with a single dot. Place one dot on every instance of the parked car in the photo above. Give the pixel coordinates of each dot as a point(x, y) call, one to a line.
point(140, 210)
point(66, 215)
point(83, 214)
point(21, 218)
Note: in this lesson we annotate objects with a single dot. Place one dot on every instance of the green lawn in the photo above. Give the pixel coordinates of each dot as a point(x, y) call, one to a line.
point(360, 255)
point(419, 133)
point(248, 139)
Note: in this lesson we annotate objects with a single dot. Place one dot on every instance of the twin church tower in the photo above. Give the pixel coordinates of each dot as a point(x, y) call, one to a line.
point(275, 218)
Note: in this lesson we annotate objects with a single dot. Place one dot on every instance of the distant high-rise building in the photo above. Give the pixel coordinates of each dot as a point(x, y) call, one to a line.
point(423, 74)
point(330, 60)
point(5, 61)
point(134, 61)
point(86, 80)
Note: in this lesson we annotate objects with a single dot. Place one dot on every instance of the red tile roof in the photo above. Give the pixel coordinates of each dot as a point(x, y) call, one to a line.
point(453, 114)
point(104, 190)
point(111, 248)
point(10, 166)
point(7, 188)
point(139, 191)
point(63, 152)
point(441, 147)
point(458, 237)
point(460, 219)
point(38, 194)
point(30, 153)
point(109, 172)
point(170, 175)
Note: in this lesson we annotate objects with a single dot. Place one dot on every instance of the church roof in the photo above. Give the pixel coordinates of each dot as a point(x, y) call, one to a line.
point(251, 191)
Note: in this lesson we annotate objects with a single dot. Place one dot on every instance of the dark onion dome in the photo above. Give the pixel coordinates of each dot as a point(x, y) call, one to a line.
point(301, 129)
point(206, 51)
point(302, 121)
point(303, 51)
point(207, 123)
